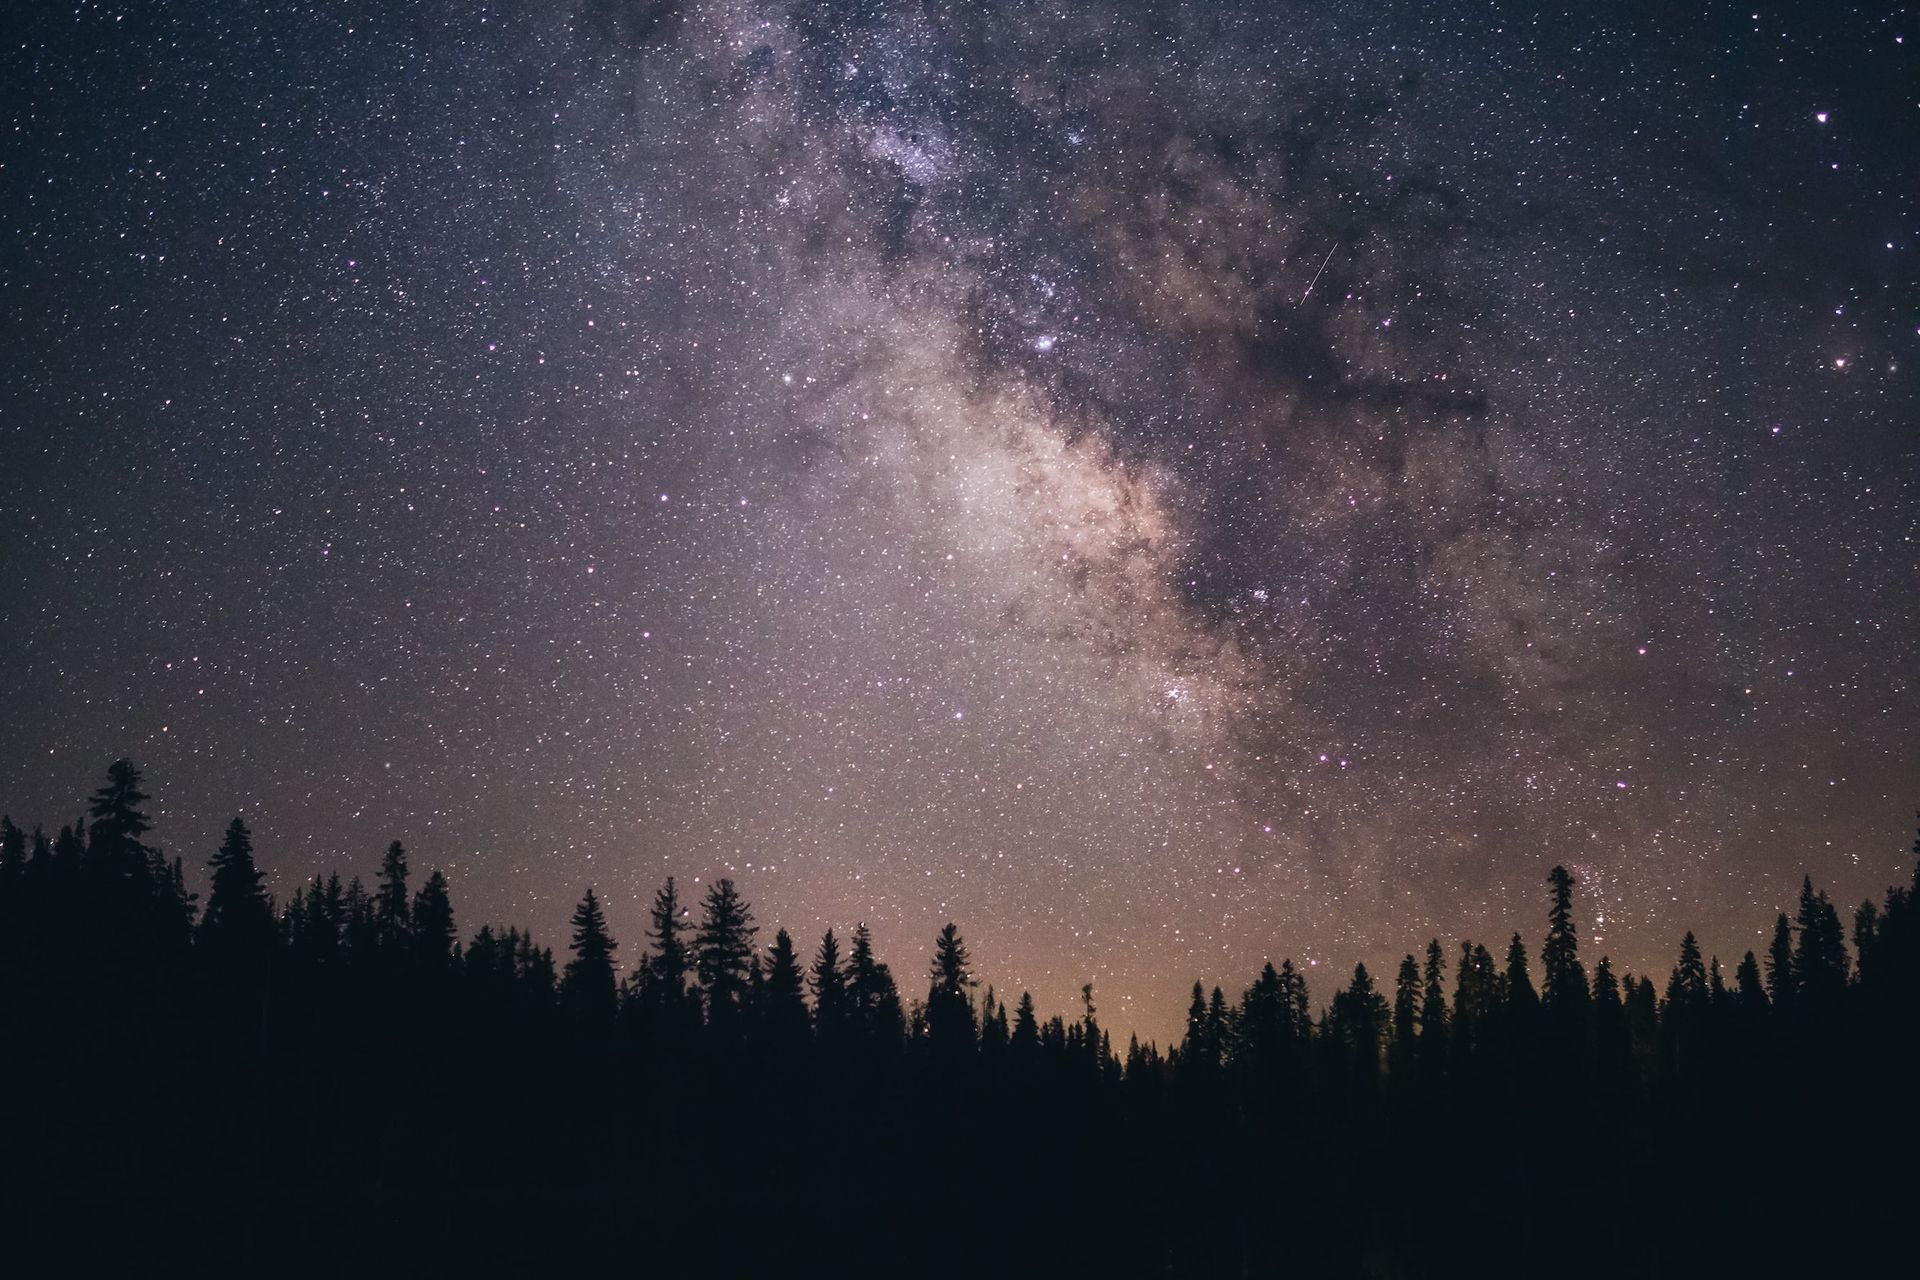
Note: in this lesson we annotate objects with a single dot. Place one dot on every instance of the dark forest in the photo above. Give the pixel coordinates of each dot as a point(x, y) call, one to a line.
point(346, 1082)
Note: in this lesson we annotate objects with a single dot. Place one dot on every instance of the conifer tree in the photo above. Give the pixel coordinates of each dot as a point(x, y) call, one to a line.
point(1358, 1022)
point(1475, 998)
point(723, 951)
point(488, 961)
point(1433, 1008)
point(783, 997)
point(534, 967)
point(1564, 980)
point(950, 1024)
point(171, 922)
point(1220, 1028)
point(390, 907)
point(874, 999)
point(1866, 924)
point(1749, 991)
point(432, 915)
point(1820, 961)
point(1612, 1035)
point(1295, 1001)
point(588, 985)
point(1025, 1039)
point(70, 846)
point(1264, 1023)
point(317, 930)
point(1517, 985)
point(828, 982)
point(114, 839)
point(1606, 990)
point(238, 922)
point(1090, 1034)
point(668, 965)
point(1406, 1012)
point(360, 931)
point(995, 1031)
point(1687, 990)
point(1782, 983)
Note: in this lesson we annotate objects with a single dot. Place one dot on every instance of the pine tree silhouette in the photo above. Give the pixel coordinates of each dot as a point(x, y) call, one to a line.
point(1749, 991)
point(588, 985)
point(668, 967)
point(1564, 989)
point(1782, 982)
point(785, 1006)
point(1820, 961)
point(874, 1000)
point(1687, 987)
point(1025, 1039)
point(995, 1030)
point(1866, 925)
point(723, 953)
point(390, 908)
point(950, 1024)
point(827, 980)
point(1406, 1015)
point(1357, 1021)
point(1516, 986)
point(1433, 1010)
point(432, 916)
point(361, 930)
point(1612, 1036)
point(237, 925)
point(114, 839)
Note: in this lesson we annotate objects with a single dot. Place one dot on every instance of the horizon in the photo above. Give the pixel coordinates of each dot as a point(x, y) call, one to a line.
point(1164, 1020)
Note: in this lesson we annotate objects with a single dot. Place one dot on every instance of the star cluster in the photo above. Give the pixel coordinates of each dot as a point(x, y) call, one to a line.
point(1165, 486)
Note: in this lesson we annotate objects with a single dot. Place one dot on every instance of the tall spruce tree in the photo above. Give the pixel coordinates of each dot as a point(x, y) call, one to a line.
point(668, 966)
point(878, 1019)
point(1749, 992)
point(950, 1023)
point(1406, 1013)
point(1866, 927)
point(1687, 989)
point(1782, 983)
point(588, 986)
point(360, 931)
point(1025, 1038)
point(1358, 1023)
point(114, 839)
point(1522, 1001)
point(1820, 960)
point(827, 980)
point(1563, 979)
point(723, 952)
point(390, 904)
point(1433, 1008)
point(238, 922)
point(995, 1029)
point(432, 916)
point(783, 996)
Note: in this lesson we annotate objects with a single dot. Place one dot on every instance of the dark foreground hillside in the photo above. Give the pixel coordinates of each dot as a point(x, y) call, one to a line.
point(347, 1084)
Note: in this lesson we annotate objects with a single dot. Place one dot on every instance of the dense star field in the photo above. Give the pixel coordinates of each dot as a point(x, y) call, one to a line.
point(1163, 486)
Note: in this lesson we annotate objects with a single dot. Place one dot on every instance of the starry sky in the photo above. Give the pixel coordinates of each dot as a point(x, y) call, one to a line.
point(1165, 486)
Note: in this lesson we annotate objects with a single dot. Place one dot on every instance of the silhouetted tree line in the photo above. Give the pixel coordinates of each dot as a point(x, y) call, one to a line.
point(339, 1083)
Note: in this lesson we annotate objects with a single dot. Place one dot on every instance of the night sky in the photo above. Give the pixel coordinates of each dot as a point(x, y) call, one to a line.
point(1164, 486)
